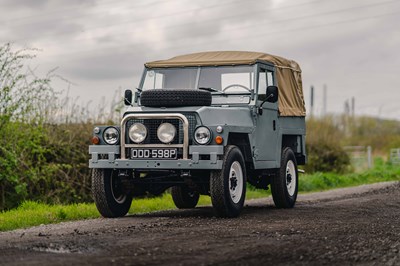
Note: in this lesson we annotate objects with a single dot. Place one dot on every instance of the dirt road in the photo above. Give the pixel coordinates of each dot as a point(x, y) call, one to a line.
point(342, 227)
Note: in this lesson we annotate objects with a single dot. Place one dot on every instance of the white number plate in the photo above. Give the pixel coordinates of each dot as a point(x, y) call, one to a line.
point(153, 153)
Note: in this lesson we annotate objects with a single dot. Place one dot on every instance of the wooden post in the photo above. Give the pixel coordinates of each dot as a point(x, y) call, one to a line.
point(369, 154)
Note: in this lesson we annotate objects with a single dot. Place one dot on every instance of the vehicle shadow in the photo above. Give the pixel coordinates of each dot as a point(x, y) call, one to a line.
point(201, 212)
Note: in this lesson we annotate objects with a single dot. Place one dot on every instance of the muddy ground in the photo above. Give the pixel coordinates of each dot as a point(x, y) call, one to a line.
point(342, 227)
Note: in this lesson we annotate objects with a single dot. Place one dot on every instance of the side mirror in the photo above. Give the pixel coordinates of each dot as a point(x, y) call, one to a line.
point(272, 94)
point(272, 97)
point(128, 97)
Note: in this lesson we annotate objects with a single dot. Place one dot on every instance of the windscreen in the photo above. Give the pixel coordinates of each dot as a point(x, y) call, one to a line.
point(228, 84)
point(170, 78)
point(227, 79)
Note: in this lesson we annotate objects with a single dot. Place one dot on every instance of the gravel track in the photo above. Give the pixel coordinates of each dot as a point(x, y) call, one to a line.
point(359, 225)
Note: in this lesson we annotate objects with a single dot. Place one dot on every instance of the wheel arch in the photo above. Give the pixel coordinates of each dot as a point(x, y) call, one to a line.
point(297, 144)
point(241, 140)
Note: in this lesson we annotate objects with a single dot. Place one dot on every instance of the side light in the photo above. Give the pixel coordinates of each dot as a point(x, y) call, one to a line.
point(95, 140)
point(219, 140)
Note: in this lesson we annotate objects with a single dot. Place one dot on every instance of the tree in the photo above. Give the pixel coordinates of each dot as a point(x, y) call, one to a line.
point(24, 101)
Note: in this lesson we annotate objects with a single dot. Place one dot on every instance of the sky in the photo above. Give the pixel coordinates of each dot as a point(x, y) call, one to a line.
point(349, 46)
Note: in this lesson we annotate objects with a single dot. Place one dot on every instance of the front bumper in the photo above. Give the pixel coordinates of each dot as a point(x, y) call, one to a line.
point(194, 162)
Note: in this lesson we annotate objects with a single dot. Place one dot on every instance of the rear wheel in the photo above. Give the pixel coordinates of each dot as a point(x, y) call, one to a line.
point(111, 198)
point(284, 185)
point(184, 197)
point(228, 185)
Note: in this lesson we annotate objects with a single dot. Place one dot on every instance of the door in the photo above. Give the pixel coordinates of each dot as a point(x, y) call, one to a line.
point(266, 152)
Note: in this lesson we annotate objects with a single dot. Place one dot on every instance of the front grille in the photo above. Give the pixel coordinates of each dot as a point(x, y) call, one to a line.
point(153, 124)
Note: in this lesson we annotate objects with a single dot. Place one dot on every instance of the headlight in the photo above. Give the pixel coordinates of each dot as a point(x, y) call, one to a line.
point(166, 132)
point(137, 132)
point(111, 135)
point(202, 135)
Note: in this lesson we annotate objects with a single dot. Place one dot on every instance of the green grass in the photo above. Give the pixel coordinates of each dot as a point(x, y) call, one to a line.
point(33, 213)
point(323, 181)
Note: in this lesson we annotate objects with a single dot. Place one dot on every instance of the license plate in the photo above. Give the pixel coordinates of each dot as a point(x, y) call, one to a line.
point(153, 153)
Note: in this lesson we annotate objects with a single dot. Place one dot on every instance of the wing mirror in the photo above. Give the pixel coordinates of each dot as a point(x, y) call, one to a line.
point(272, 97)
point(128, 97)
point(272, 94)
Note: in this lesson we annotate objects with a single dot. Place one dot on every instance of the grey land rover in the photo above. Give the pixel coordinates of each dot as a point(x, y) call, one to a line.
point(204, 124)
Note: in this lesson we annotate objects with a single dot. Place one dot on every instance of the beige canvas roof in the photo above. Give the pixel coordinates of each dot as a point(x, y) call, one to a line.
point(288, 73)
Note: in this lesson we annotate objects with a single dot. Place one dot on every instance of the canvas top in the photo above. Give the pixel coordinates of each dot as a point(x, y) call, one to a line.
point(288, 73)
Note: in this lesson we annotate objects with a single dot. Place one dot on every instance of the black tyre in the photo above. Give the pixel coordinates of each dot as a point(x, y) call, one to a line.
point(184, 197)
point(111, 199)
point(228, 185)
point(284, 185)
point(173, 98)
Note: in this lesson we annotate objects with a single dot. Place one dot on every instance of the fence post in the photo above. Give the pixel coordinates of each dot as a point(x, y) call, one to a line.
point(369, 154)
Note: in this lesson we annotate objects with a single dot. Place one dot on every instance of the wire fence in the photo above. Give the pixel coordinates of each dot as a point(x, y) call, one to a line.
point(361, 157)
point(395, 156)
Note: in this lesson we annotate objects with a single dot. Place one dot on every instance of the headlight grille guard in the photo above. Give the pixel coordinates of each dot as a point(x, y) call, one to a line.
point(181, 117)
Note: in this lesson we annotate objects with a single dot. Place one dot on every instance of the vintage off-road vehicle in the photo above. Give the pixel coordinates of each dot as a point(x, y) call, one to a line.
point(205, 124)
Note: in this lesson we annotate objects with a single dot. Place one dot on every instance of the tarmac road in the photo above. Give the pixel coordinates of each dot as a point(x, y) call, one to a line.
point(349, 226)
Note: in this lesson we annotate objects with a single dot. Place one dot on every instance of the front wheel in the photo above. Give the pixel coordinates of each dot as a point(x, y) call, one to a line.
point(111, 198)
point(228, 185)
point(284, 185)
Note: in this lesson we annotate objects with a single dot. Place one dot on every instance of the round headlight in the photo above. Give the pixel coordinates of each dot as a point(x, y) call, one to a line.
point(166, 132)
point(137, 132)
point(111, 135)
point(202, 135)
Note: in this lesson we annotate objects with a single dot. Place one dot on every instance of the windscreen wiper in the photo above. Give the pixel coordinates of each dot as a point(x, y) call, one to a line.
point(211, 90)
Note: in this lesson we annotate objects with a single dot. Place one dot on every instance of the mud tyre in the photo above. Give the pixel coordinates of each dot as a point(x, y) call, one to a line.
point(175, 98)
point(184, 197)
point(111, 199)
point(284, 184)
point(228, 185)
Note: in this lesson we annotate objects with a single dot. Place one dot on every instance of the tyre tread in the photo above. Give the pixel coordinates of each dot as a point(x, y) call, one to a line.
point(103, 199)
point(219, 199)
point(182, 200)
point(278, 183)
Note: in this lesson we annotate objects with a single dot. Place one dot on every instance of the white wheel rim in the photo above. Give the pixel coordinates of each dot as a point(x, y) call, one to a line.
point(291, 177)
point(118, 196)
point(236, 182)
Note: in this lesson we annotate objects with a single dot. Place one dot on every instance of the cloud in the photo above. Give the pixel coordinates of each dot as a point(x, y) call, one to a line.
point(100, 44)
point(112, 65)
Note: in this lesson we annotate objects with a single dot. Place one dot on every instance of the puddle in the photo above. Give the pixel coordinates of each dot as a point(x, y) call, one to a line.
point(58, 250)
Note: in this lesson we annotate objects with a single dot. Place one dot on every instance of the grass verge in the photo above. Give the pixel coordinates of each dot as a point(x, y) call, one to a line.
point(381, 172)
point(33, 213)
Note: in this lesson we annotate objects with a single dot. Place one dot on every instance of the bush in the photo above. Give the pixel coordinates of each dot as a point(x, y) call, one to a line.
point(324, 147)
point(44, 139)
point(38, 160)
point(325, 157)
point(23, 104)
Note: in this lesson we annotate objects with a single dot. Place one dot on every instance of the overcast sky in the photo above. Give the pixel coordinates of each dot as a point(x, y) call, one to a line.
point(352, 46)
